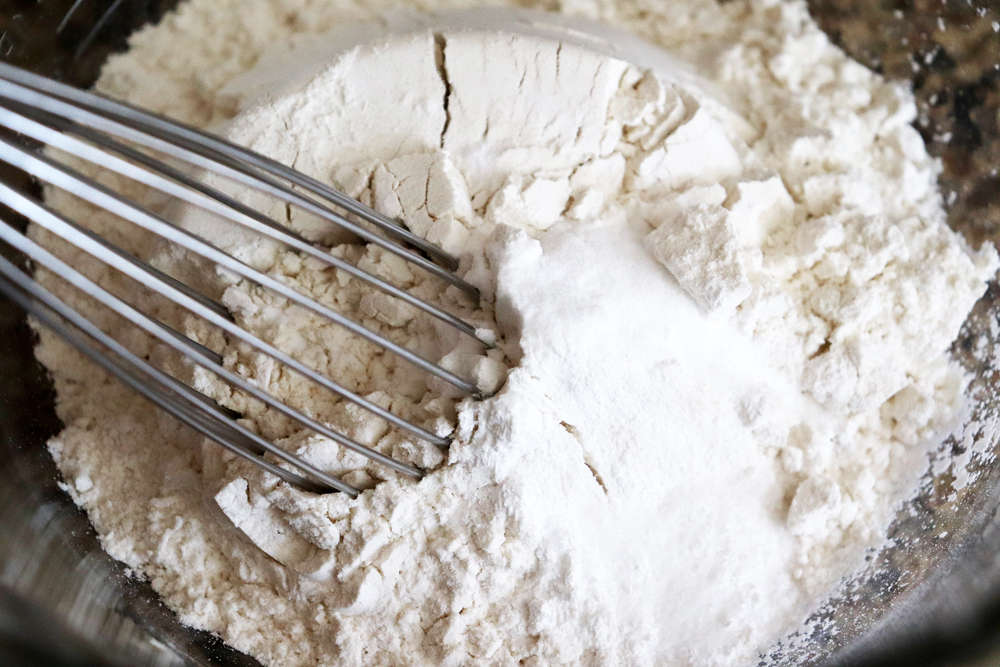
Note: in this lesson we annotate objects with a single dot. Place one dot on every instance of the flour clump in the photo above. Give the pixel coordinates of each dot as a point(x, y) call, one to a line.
point(720, 324)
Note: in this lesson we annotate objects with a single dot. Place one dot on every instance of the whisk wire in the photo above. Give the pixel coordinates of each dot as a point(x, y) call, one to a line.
point(69, 231)
point(160, 388)
point(213, 154)
point(89, 190)
point(239, 156)
point(187, 189)
point(131, 143)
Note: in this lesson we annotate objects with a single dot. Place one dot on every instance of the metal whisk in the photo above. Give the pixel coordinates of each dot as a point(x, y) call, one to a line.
point(93, 128)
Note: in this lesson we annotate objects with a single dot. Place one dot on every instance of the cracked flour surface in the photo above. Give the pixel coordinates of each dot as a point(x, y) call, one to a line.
point(721, 327)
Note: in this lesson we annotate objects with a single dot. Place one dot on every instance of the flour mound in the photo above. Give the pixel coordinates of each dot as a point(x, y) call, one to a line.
point(721, 324)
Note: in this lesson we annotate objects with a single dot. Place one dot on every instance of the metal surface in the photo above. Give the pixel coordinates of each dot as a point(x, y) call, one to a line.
point(933, 598)
point(51, 113)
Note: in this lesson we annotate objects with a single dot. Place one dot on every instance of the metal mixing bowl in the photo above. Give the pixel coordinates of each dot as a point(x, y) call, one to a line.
point(932, 598)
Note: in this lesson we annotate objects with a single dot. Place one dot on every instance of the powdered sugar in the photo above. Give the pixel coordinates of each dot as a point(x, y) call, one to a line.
point(723, 315)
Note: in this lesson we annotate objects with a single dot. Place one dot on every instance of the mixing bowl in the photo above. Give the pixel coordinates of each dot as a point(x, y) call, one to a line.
point(932, 596)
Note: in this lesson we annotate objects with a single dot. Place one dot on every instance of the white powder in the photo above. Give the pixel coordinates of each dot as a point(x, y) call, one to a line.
point(723, 315)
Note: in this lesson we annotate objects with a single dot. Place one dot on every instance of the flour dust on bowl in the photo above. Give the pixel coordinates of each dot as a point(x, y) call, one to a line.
point(721, 290)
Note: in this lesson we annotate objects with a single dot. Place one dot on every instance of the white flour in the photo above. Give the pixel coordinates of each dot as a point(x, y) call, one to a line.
point(721, 317)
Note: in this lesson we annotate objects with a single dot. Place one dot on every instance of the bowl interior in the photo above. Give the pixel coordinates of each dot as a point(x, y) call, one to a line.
point(933, 589)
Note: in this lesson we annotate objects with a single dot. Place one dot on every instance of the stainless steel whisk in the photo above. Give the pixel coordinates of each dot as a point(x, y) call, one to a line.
point(93, 128)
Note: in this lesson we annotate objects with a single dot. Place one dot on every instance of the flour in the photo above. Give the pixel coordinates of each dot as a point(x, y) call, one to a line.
point(721, 294)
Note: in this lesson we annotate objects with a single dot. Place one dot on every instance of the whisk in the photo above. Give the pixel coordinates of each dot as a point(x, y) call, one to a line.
point(128, 141)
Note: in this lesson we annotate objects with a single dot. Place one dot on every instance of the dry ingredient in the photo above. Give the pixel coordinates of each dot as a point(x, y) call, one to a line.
point(721, 292)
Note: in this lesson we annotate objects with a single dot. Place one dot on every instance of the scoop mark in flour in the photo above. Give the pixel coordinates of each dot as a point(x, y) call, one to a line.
point(821, 350)
point(587, 459)
point(442, 67)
